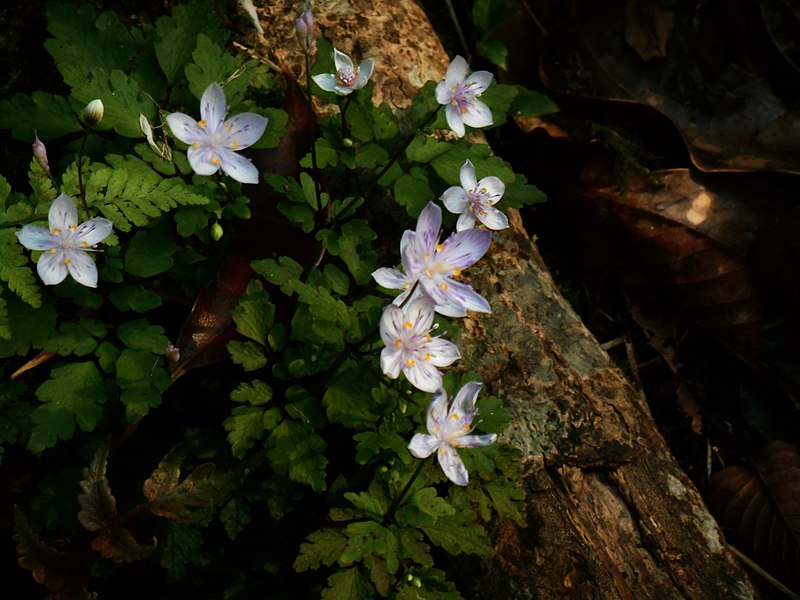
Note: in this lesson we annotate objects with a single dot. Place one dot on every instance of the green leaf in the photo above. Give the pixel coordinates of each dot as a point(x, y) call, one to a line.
point(245, 426)
point(74, 394)
point(142, 378)
point(235, 516)
point(139, 334)
point(412, 191)
point(251, 356)
point(212, 64)
point(295, 450)
point(150, 253)
point(347, 584)
point(29, 326)
point(181, 547)
point(14, 269)
point(177, 36)
point(494, 51)
point(283, 272)
point(371, 443)
point(255, 313)
point(190, 220)
point(348, 397)
point(135, 298)
point(49, 115)
point(530, 103)
point(498, 97)
point(369, 537)
point(456, 535)
point(424, 508)
point(488, 13)
point(519, 194)
point(255, 393)
point(324, 547)
point(70, 339)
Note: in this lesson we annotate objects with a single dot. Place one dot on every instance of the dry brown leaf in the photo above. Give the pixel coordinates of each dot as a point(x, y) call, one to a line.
point(761, 509)
point(648, 27)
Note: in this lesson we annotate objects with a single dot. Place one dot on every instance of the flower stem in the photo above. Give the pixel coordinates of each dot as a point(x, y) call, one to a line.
point(81, 189)
point(399, 498)
point(313, 142)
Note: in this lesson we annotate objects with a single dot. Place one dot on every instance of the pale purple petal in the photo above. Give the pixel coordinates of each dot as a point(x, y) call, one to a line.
point(493, 218)
point(475, 441)
point(477, 115)
point(442, 352)
point(391, 361)
point(36, 238)
point(212, 107)
point(341, 60)
point(420, 314)
point(327, 81)
point(437, 412)
point(467, 176)
point(410, 256)
point(52, 268)
point(451, 310)
point(237, 166)
point(456, 72)
point(366, 68)
point(455, 199)
point(202, 160)
point(452, 466)
point(465, 221)
point(428, 226)
point(185, 128)
point(243, 130)
point(93, 231)
point(62, 214)
point(465, 248)
point(343, 90)
point(81, 267)
point(423, 445)
point(423, 375)
point(456, 298)
point(464, 402)
point(390, 278)
point(455, 120)
point(479, 81)
point(444, 94)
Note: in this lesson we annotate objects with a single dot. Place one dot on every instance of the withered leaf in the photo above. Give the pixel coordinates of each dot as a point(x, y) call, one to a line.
point(98, 505)
point(760, 508)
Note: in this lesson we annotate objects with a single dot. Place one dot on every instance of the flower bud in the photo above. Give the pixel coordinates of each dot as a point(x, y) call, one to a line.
point(347, 142)
point(40, 154)
point(173, 354)
point(304, 29)
point(93, 113)
point(216, 232)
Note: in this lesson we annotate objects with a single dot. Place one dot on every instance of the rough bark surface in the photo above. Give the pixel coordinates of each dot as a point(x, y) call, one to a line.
point(610, 513)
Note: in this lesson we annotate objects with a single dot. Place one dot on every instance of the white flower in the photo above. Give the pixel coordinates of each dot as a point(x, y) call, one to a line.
point(476, 199)
point(66, 244)
point(430, 267)
point(410, 347)
point(459, 94)
point(448, 430)
point(93, 112)
point(213, 141)
point(348, 77)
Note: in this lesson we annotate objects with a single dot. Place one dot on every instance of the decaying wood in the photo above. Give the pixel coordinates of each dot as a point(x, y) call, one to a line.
point(610, 513)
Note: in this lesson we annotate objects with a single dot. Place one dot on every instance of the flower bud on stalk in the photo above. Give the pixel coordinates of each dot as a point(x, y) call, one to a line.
point(40, 154)
point(304, 29)
point(93, 113)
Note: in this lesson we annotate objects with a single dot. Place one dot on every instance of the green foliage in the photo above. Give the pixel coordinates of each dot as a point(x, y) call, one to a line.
point(296, 451)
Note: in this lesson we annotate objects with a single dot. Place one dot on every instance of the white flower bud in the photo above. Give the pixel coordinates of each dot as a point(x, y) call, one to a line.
point(40, 153)
point(93, 113)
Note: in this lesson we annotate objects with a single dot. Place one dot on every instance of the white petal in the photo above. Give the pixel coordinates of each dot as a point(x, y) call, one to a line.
point(37, 238)
point(493, 218)
point(456, 72)
point(327, 81)
point(452, 466)
point(437, 411)
point(391, 325)
point(479, 81)
point(423, 375)
point(366, 67)
point(463, 295)
point(62, 214)
point(455, 199)
point(444, 94)
point(465, 221)
point(464, 402)
point(420, 314)
point(391, 361)
point(494, 186)
point(341, 60)
point(343, 90)
point(93, 231)
point(467, 176)
point(423, 445)
point(390, 278)
point(451, 310)
point(455, 120)
point(52, 268)
point(428, 225)
point(212, 107)
point(476, 441)
point(244, 129)
point(185, 128)
point(201, 160)
point(81, 267)
point(442, 352)
point(477, 115)
point(238, 167)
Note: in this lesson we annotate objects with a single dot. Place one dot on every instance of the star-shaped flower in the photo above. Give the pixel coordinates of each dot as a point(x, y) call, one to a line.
point(66, 244)
point(348, 77)
point(430, 268)
point(213, 141)
point(459, 94)
point(475, 199)
point(448, 430)
point(410, 347)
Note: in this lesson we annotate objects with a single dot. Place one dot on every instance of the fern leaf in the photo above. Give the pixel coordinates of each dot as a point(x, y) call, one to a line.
point(14, 269)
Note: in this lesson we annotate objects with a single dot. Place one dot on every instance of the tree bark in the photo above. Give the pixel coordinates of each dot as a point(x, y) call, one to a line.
point(610, 514)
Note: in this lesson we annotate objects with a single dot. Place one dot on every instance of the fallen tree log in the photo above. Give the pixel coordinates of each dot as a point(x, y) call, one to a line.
point(610, 513)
